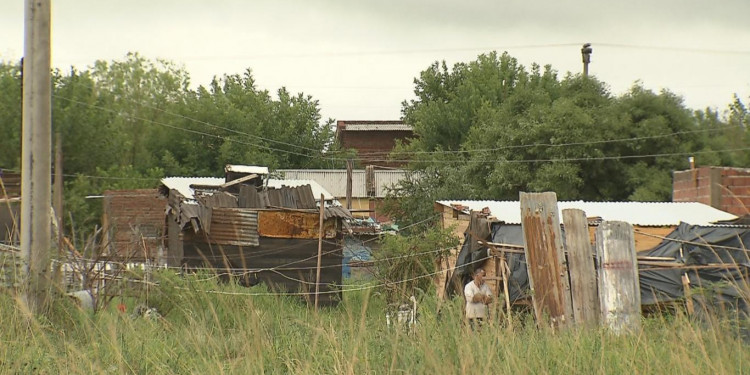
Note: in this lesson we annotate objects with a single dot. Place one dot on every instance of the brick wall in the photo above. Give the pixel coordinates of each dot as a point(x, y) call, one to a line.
point(134, 221)
point(725, 188)
point(374, 145)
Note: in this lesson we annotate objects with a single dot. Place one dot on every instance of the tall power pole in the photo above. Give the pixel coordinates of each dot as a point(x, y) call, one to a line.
point(36, 158)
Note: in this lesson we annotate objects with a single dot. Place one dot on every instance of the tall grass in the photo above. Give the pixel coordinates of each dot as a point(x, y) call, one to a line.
point(233, 334)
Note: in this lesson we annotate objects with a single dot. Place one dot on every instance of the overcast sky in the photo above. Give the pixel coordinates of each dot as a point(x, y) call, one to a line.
point(359, 58)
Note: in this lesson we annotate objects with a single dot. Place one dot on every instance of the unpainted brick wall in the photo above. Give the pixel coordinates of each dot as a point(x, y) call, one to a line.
point(374, 146)
point(134, 221)
point(725, 188)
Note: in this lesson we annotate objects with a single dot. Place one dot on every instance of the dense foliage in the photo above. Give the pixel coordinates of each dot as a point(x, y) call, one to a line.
point(126, 124)
point(490, 128)
point(486, 129)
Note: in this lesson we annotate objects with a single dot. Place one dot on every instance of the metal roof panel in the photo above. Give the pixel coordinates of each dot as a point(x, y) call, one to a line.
point(636, 213)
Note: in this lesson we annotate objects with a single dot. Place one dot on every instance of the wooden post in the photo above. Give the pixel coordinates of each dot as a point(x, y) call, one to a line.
point(57, 204)
point(36, 156)
point(545, 258)
point(58, 189)
point(581, 266)
point(370, 181)
point(505, 272)
point(619, 291)
point(688, 294)
point(320, 250)
point(349, 184)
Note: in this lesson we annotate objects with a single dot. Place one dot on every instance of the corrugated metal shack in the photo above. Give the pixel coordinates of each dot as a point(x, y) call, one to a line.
point(259, 232)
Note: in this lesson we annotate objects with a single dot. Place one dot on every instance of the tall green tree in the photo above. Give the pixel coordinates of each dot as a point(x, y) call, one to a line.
point(491, 128)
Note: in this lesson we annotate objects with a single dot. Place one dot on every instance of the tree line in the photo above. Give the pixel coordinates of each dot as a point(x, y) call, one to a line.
point(485, 129)
point(126, 124)
point(489, 128)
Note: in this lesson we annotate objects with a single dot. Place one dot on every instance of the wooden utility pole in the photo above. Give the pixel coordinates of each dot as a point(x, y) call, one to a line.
point(320, 250)
point(36, 156)
point(581, 266)
point(349, 184)
point(545, 258)
point(619, 288)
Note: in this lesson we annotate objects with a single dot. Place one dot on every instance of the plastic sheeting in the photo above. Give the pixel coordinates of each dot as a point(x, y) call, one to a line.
point(701, 246)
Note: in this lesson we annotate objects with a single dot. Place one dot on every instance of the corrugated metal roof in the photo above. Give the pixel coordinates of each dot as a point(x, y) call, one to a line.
point(182, 185)
point(334, 180)
point(246, 169)
point(316, 187)
point(385, 180)
point(379, 127)
point(636, 213)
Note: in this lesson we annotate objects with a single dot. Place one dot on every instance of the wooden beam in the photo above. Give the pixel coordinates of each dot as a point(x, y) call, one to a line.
point(545, 258)
point(583, 290)
point(237, 181)
point(619, 289)
point(320, 251)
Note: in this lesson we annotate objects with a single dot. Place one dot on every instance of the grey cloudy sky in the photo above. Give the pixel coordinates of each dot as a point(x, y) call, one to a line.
point(359, 58)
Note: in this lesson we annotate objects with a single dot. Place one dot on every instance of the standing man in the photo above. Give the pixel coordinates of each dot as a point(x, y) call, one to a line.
point(478, 295)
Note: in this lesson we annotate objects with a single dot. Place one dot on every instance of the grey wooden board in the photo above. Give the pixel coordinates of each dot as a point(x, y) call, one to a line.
point(583, 288)
point(545, 258)
point(619, 292)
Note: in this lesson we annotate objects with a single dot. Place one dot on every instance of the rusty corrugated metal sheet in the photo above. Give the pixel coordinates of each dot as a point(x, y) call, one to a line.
point(293, 224)
point(234, 226)
point(545, 258)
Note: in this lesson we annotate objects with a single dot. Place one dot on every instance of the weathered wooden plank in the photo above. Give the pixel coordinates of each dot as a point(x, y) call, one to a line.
point(581, 267)
point(619, 293)
point(545, 258)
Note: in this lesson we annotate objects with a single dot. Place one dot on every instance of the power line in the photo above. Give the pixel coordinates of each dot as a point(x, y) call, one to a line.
point(528, 145)
point(555, 160)
point(377, 52)
point(191, 130)
point(675, 49)
point(217, 126)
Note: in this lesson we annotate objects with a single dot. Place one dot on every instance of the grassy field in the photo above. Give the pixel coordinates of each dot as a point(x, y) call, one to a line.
point(204, 333)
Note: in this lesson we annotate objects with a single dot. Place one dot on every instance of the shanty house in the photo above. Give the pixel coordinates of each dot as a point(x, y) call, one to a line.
point(262, 231)
point(500, 222)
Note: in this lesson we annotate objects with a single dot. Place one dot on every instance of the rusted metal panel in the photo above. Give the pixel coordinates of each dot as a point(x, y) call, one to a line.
point(545, 258)
point(583, 289)
point(293, 224)
point(233, 226)
point(619, 291)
